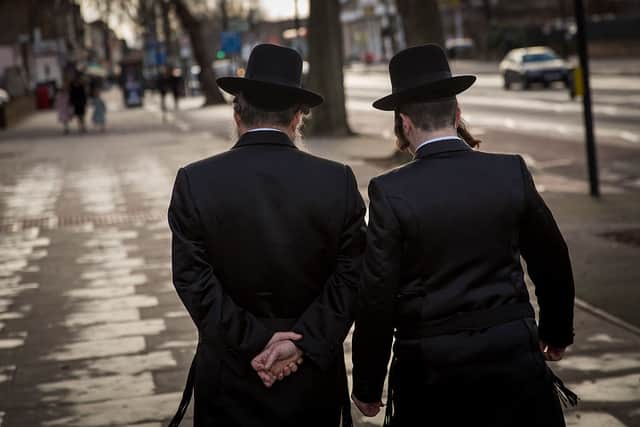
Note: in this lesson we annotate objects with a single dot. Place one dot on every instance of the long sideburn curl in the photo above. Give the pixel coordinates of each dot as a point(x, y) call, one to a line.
point(463, 132)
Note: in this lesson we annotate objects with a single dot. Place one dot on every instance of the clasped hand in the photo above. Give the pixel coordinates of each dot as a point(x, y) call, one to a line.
point(279, 359)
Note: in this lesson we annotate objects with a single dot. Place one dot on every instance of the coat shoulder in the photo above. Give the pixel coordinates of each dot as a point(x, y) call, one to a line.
point(207, 163)
point(499, 157)
point(395, 176)
point(505, 163)
point(398, 177)
point(329, 165)
point(229, 159)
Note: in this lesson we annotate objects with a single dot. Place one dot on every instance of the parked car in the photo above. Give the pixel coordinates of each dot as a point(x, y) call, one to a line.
point(459, 48)
point(529, 65)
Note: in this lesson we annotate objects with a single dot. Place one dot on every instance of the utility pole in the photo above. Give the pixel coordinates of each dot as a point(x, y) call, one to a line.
point(391, 28)
point(225, 15)
point(586, 100)
point(296, 18)
point(296, 23)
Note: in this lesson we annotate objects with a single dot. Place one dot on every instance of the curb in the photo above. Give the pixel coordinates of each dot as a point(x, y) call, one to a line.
point(607, 317)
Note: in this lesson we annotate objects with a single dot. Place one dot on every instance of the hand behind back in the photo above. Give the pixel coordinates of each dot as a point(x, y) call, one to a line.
point(279, 359)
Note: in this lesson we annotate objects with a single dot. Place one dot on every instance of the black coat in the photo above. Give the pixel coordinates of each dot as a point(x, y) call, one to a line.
point(267, 238)
point(445, 237)
point(78, 98)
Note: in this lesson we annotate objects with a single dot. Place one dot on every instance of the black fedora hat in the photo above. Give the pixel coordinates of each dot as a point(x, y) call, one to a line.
point(421, 73)
point(273, 79)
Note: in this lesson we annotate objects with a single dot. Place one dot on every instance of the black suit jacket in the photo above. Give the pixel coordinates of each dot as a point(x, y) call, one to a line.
point(266, 238)
point(446, 233)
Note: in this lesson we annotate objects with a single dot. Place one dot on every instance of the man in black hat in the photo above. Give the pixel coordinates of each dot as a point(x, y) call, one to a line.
point(267, 245)
point(442, 272)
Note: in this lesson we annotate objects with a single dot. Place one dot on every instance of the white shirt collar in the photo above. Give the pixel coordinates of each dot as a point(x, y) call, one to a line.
point(263, 129)
point(442, 138)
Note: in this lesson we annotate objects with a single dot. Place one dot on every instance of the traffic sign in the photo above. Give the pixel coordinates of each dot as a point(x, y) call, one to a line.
point(230, 42)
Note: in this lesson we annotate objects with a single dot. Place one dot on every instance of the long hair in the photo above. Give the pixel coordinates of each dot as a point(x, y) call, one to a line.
point(463, 132)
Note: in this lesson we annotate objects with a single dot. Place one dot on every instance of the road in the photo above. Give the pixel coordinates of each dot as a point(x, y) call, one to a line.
point(548, 111)
point(549, 122)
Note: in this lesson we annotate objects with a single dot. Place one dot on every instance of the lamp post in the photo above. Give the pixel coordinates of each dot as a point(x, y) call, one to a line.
point(583, 54)
point(296, 18)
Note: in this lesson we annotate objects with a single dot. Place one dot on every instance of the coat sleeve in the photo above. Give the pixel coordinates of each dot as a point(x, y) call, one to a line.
point(212, 310)
point(549, 266)
point(373, 335)
point(326, 322)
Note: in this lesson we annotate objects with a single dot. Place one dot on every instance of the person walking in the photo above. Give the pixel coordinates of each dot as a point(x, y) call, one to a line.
point(175, 81)
point(99, 116)
point(63, 107)
point(78, 100)
point(267, 243)
point(442, 273)
point(163, 83)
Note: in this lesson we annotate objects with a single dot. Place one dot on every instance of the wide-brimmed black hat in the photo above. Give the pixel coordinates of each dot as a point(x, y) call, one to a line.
point(273, 79)
point(421, 73)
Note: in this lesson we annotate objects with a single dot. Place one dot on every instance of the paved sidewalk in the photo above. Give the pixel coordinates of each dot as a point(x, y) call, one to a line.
point(91, 331)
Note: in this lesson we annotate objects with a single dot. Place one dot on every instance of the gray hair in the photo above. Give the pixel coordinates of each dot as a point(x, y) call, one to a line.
point(253, 116)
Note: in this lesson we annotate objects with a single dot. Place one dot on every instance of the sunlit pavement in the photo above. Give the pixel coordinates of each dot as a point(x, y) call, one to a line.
point(91, 331)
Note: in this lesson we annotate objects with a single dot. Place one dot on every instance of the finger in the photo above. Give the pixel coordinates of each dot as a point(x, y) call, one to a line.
point(555, 356)
point(265, 378)
point(543, 346)
point(276, 338)
point(258, 362)
point(275, 370)
point(267, 375)
point(300, 360)
point(272, 356)
point(283, 336)
point(293, 367)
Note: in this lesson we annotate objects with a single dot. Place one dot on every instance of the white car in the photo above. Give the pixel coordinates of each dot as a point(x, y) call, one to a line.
point(534, 65)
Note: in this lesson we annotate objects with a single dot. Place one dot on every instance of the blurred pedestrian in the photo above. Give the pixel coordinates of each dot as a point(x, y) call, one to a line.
point(163, 83)
point(267, 244)
point(63, 106)
point(442, 272)
point(99, 116)
point(175, 80)
point(78, 99)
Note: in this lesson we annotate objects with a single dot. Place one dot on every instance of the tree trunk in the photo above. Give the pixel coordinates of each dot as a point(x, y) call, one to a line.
point(224, 14)
point(421, 21)
point(325, 74)
point(488, 22)
point(169, 41)
point(201, 52)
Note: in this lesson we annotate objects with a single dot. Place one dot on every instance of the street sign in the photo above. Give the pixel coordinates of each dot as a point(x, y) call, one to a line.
point(230, 42)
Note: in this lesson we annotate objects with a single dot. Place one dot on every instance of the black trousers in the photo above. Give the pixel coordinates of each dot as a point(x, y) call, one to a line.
point(530, 404)
point(495, 378)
